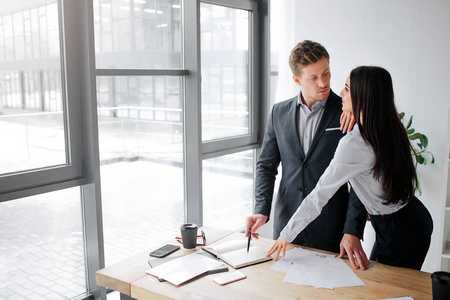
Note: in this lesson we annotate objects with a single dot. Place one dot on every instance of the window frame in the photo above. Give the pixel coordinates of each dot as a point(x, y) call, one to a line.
point(29, 182)
point(80, 120)
point(195, 149)
point(213, 148)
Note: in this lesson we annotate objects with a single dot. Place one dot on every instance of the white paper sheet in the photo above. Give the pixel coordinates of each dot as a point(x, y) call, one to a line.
point(298, 275)
point(184, 268)
point(300, 256)
point(331, 274)
point(316, 269)
point(282, 265)
point(398, 298)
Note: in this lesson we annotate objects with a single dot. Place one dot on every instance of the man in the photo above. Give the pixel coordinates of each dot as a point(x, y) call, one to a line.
point(302, 133)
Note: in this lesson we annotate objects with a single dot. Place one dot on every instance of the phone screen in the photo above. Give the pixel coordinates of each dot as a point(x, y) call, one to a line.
point(164, 250)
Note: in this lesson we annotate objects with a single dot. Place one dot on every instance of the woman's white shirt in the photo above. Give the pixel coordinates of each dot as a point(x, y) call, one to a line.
point(353, 162)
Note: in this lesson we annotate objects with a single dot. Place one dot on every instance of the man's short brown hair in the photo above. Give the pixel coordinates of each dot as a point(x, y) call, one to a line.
point(305, 53)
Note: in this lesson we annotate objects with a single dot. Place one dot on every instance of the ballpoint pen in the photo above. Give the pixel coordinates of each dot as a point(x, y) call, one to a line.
point(249, 237)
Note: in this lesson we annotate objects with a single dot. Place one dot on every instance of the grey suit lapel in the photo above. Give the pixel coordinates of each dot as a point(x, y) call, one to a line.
point(293, 126)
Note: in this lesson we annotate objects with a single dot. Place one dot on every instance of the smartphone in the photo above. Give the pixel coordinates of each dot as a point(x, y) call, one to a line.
point(229, 278)
point(164, 250)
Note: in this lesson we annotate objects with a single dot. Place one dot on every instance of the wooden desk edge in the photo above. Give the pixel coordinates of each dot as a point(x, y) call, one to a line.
point(130, 286)
point(115, 284)
point(121, 281)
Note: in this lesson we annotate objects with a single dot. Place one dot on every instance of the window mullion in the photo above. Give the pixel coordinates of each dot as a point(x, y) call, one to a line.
point(192, 114)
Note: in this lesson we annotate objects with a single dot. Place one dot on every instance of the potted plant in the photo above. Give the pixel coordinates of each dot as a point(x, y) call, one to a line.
point(419, 143)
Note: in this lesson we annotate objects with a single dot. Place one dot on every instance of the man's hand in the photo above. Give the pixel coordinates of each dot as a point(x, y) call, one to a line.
point(347, 121)
point(279, 246)
point(253, 223)
point(352, 245)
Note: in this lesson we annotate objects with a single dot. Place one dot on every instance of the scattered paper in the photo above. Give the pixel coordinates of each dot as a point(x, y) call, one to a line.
point(282, 265)
point(300, 256)
point(316, 269)
point(398, 298)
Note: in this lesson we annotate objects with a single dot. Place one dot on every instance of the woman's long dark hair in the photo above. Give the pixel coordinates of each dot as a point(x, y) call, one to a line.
point(375, 113)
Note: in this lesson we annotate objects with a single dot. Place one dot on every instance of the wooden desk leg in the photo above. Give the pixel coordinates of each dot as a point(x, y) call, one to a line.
point(125, 297)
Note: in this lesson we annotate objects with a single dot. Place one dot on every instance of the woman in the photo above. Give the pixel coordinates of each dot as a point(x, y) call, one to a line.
point(375, 157)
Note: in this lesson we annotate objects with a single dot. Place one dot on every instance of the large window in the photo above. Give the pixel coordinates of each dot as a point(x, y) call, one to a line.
point(44, 143)
point(31, 100)
point(228, 189)
point(148, 101)
point(225, 52)
point(120, 121)
point(141, 123)
point(226, 104)
point(42, 247)
point(138, 34)
point(141, 153)
point(42, 238)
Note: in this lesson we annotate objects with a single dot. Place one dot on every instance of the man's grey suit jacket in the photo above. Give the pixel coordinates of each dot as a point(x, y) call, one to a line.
point(300, 174)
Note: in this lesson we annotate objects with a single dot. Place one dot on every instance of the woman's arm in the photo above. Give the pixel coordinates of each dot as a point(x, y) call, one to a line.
point(349, 160)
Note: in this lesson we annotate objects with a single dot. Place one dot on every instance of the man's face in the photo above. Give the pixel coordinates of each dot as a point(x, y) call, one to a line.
point(315, 81)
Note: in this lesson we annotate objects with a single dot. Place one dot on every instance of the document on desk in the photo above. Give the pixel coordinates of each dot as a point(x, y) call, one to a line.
point(184, 268)
point(235, 253)
point(159, 261)
point(316, 269)
point(398, 298)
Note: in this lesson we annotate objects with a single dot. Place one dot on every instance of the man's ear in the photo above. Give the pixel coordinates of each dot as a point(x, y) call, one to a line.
point(296, 80)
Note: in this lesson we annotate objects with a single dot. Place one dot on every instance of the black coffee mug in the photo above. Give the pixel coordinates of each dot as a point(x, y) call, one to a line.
point(189, 235)
point(440, 283)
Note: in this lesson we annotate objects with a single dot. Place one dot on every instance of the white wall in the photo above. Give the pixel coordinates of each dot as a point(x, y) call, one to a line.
point(411, 39)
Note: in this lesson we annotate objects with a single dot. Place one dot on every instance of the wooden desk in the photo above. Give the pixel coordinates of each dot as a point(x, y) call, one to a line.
point(381, 281)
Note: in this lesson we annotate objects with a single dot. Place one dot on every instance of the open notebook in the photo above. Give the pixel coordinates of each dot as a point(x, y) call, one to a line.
point(184, 268)
point(235, 253)
point(159, 261)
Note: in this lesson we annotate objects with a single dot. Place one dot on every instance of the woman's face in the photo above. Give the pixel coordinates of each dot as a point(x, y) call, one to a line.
point(346, 98)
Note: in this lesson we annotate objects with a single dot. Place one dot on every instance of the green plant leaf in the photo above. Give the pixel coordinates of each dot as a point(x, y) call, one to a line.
point(410, 131)
point(409, 122)
point(419, 144)
point(420, 159)
point(414, 136)
point(432, 157)
point(423, 140)
point(419, 188)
